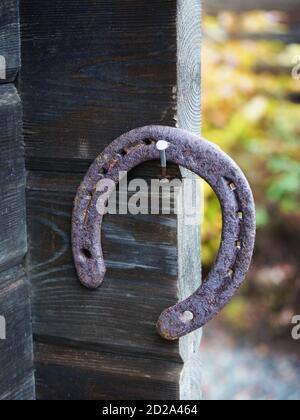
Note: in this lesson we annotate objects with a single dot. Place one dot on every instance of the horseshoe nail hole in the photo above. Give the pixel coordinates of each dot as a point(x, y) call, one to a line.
point(240, 215)
point(238, 245)
point(123, 152)
point(187, 317)
point(86, 253)
point(232, 186)
point(148, 142)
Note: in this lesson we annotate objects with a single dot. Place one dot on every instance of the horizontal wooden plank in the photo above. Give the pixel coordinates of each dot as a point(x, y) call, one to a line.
point(141, 254)
point(9, 40)
point(12, 179)
point(215, 6)
point(16, 360)
point(65, 373)
point(91, 71)
point(58, 165)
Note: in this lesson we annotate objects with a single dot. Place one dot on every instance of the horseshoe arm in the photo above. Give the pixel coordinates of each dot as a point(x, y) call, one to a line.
point(210, 163)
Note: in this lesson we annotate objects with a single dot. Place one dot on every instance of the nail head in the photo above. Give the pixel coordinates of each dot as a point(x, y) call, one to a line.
point(162, 145)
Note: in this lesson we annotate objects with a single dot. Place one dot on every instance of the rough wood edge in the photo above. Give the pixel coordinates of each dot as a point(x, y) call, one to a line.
point(189, 37)
point(26, 389)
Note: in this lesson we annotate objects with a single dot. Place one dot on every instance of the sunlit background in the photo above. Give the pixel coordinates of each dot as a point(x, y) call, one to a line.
point(251, 108)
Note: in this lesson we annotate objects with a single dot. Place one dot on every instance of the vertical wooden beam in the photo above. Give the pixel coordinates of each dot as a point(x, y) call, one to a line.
point(12, 179)
point(9, 40)
point(189, 232)
point(16, 354)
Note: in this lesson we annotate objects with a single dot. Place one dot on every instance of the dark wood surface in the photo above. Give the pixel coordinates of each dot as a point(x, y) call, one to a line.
point(189, 39)
point(16, 372)
point(116, 323)
point(16, 353)
point(10, 38)
point(93, 70)
point(12, 179)
point(141, 256)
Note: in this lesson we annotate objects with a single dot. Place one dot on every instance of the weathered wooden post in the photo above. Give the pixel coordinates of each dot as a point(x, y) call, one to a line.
point(91, 71)
point(189, 236)
point(16, 369)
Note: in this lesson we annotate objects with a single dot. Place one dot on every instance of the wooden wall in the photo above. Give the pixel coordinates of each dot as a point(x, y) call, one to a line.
point(91, 71)
point(10, 38)
point(189, 38)
point(16, 375)
point(16, 368)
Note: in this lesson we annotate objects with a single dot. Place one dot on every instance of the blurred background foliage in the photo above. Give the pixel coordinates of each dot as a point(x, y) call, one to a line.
point(251, 108)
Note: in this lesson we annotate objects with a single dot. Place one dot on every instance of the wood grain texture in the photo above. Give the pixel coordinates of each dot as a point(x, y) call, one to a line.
point(119, 317)
point(89, 375)
point(9, 40)
point(16, 364)
point(189, 39)
point(16, 353)
point(140, 252)
point(215, 6)
point(93, 70)
point(12, 179)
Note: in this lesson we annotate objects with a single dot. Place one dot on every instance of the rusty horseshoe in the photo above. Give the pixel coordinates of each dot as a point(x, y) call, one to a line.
point(227, 180)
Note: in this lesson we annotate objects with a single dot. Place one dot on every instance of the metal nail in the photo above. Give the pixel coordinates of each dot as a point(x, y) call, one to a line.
point(162, 146)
